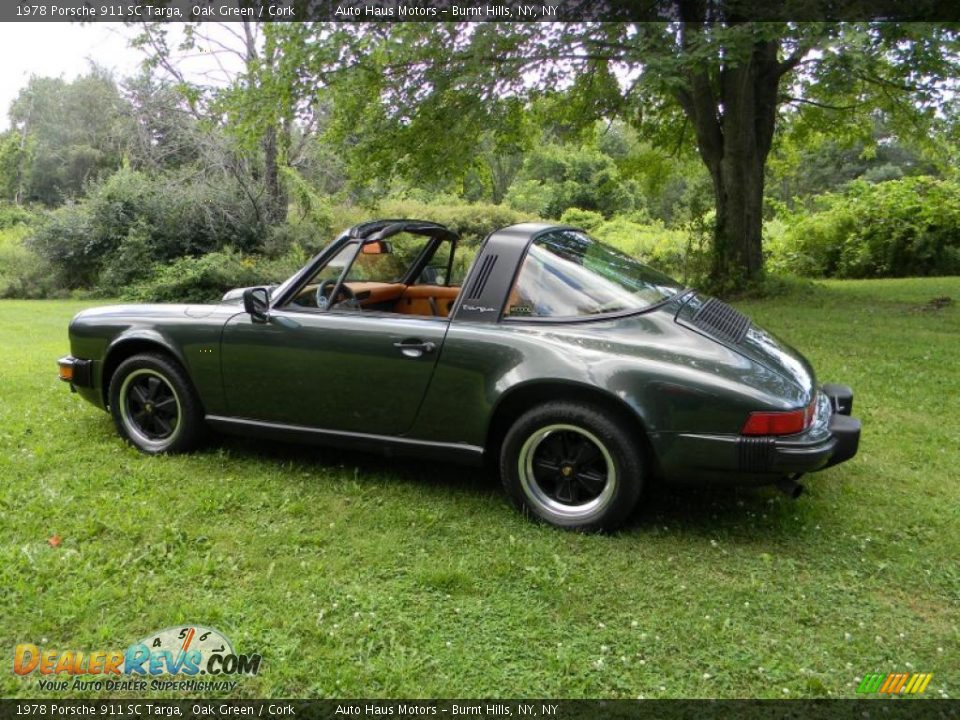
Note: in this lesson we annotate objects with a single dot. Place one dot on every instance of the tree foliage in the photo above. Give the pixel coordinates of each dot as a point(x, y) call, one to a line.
point(66, 134)
point(897, 228)
point(427, 92)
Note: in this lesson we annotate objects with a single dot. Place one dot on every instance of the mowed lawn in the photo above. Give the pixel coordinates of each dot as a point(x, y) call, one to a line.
point(356, 576)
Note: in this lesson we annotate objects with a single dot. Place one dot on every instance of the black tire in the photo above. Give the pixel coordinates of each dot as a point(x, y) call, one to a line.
point(154, 405)
point(550, 471)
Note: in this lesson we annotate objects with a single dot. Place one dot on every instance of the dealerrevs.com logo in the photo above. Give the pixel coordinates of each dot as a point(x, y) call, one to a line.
point(186, 653)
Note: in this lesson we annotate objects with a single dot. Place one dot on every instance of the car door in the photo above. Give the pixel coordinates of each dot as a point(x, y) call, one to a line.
point(346, 371)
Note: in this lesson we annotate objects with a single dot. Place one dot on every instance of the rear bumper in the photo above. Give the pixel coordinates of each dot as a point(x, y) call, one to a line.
point(837, 444)
point(745, 459)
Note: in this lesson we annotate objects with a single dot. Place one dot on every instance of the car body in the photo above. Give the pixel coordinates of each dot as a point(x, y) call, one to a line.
point(580, 372)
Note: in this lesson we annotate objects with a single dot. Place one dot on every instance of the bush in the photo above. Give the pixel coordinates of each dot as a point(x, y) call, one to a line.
point(67, 242)
point(898, 228)
point(197, 280)
point(133, 220)
point(671, 251)
point(586, 219)
point(24, 274)
point(14, 215)
point(556, 177)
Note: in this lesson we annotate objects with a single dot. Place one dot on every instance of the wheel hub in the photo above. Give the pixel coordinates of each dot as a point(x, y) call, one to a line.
point(567, 471)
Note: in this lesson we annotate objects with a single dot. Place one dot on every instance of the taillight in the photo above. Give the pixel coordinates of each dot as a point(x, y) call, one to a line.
point(780, 423)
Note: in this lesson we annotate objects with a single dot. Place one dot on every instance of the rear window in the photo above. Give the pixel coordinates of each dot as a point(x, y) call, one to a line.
point(566, 273)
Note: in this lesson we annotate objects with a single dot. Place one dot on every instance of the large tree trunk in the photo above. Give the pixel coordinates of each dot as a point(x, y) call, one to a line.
point(733, 111)
point(276, 199)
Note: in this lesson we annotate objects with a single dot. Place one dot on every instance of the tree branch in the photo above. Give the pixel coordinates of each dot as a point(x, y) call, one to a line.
point(826, 106)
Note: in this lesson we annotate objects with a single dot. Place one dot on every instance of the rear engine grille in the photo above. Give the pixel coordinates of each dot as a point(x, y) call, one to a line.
point(721, 321)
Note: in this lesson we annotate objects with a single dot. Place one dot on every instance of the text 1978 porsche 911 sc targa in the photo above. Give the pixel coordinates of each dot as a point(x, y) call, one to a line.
point(580, 372)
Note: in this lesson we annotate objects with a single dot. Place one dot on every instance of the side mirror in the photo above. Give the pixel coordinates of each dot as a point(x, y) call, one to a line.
point(256, 301)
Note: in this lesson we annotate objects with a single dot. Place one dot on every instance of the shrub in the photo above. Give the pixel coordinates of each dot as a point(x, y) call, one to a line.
point(132, 220)
point(24, 274)
point(67, 242)
point(586, 219)
point(898, 228)
point(671, 251)
point(197, 280)
point(14, 215)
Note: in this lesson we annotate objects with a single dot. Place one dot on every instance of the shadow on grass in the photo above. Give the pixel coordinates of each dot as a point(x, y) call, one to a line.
point(444, 476)
point(750, 512)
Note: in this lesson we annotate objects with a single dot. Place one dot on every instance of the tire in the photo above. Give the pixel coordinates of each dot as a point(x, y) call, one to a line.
point(154, 405)
point(570, 465)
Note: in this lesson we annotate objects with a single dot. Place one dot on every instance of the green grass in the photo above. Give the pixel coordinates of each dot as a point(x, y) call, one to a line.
point(356, 576)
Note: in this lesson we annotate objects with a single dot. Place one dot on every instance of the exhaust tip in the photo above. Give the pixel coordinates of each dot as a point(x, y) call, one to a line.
point(791, 488)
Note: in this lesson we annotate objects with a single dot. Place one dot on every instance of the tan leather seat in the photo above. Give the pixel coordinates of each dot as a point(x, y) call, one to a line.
point(431, 300)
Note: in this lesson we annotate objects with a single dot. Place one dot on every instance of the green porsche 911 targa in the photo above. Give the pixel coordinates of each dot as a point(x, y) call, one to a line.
point(581, 373)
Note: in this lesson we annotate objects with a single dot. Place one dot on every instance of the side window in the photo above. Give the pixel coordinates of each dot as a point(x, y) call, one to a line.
point(435, 271)
point(462, 261)
point(389, 261)
point(333, 268)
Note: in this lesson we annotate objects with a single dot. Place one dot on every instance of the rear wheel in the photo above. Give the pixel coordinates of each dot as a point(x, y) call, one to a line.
point(154, 405)
point(572, 466)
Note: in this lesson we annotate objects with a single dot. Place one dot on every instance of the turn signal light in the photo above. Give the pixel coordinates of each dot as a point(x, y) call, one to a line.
point(780, 423)
point(66, 372)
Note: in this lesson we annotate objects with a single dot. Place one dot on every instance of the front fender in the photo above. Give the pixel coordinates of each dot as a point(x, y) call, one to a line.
point(189, 334)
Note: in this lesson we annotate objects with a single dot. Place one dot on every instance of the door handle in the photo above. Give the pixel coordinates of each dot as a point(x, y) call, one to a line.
point(414, 348)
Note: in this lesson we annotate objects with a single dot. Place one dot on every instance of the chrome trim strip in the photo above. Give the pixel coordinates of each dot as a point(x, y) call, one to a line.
point(412, 443)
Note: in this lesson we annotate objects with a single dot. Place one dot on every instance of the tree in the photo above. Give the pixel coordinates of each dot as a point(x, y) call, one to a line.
point(16, 152)
point(724, 82)
point(271, 80)
point(67, 134)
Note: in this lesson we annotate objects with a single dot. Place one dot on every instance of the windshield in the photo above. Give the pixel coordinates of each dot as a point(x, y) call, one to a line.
point(569, 274)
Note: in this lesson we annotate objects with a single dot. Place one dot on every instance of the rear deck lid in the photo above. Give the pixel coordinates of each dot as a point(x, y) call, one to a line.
point(728, 326)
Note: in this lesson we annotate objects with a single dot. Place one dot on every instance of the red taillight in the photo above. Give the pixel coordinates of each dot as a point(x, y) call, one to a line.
point(780, 423)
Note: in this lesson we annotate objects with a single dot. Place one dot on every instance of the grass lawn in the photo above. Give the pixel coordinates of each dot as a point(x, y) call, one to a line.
point(356, 576)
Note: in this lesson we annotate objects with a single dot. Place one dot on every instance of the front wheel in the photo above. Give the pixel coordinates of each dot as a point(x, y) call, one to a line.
point(572, 466)
point(154, 405)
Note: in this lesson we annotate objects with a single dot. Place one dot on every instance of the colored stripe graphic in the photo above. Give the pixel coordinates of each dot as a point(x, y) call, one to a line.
point(870, 683)
point(895, 683)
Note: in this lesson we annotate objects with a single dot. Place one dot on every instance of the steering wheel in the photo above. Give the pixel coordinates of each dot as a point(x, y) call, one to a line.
point(323, 301)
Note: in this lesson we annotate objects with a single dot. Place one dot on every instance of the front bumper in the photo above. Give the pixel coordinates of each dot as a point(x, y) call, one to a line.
point(77, 372)
point(836, 441)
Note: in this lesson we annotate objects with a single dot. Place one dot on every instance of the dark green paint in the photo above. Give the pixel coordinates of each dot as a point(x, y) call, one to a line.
point(340, 372)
